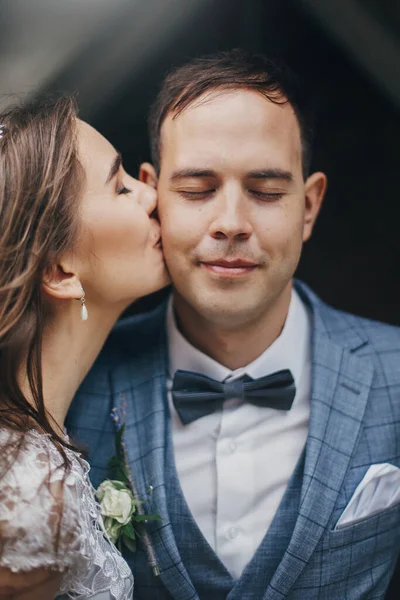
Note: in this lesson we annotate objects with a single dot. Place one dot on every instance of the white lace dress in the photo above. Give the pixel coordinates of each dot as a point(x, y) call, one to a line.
point(49, 520)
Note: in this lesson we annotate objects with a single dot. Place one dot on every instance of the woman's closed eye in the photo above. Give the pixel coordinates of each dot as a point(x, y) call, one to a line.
point(123, 190)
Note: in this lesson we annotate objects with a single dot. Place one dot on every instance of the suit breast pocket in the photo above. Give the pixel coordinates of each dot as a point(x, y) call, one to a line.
point(365, 549)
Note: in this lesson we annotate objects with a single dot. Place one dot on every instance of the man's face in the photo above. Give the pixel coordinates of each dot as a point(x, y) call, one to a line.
point(233, 204)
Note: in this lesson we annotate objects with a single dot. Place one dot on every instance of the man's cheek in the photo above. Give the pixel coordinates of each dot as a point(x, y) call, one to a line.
point(174, 249)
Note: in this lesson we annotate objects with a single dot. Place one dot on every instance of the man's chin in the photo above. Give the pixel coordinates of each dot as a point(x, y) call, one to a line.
point(229, 312)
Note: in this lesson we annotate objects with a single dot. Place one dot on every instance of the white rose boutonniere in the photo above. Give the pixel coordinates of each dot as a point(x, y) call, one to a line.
point(123, 515)
point(117, 506)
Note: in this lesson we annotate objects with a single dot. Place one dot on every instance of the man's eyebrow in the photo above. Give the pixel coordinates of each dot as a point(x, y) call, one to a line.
point(271, 174)
point(114, 167)
point(186, 173)
point(258, 174)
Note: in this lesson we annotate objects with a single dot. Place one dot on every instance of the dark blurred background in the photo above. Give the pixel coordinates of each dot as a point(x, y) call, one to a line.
point(114, 54)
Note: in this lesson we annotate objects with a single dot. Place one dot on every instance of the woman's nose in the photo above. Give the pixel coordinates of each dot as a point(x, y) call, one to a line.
point(148, 199)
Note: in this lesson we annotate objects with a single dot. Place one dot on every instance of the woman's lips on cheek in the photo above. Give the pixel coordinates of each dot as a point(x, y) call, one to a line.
point(156, 235)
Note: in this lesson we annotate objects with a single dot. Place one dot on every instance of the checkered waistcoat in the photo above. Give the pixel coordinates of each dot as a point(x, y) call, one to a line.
point(354, 423)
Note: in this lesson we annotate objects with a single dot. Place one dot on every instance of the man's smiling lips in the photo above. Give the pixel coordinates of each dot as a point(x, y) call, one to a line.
point(229, 268)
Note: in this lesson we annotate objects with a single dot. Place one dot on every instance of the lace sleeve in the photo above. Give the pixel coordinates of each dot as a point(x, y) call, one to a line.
point(39, 508)
point(49, 518)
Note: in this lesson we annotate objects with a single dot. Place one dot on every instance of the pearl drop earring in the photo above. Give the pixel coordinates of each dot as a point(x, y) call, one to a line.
point(84, 312)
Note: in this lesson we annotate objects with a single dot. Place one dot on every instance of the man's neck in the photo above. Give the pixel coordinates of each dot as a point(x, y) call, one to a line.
point(237, 347)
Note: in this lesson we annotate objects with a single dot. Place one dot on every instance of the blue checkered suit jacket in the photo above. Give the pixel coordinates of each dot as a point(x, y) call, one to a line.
point(354, 423)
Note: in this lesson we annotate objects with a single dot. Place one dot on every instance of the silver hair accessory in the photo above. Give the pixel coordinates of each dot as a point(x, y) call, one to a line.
point(3, 131)
point(84, 312)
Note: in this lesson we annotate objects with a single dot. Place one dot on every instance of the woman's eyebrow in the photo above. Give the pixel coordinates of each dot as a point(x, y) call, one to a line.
point(114, 167)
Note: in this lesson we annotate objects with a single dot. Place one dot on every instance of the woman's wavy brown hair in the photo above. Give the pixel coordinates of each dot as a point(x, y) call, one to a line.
point(41, 182)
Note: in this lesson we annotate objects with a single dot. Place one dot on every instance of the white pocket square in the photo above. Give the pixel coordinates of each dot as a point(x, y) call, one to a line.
point(378, 491)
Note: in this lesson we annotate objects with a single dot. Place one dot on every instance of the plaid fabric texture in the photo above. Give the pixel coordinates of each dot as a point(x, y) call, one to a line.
point(354, 423)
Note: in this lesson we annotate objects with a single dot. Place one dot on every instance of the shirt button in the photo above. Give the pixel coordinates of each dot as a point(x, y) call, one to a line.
point(233, 533)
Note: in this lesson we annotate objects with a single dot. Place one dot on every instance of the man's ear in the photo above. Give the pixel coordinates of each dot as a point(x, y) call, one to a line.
point(315, 188)
point(61, 283)
point(147, 174)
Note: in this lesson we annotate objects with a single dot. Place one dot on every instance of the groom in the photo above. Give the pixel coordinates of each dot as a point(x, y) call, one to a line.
point(262, 425)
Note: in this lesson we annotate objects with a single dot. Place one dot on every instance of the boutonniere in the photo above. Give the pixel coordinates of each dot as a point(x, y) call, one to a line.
point(122, 510)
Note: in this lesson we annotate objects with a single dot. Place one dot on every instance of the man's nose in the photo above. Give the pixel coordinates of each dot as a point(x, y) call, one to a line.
point(231, 219)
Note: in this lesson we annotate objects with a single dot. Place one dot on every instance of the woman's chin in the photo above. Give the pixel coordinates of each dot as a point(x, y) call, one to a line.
point(164, 281)
point(147, 282)
point(161, 281)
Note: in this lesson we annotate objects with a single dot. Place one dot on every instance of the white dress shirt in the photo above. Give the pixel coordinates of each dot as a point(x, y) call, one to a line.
point(234, 465)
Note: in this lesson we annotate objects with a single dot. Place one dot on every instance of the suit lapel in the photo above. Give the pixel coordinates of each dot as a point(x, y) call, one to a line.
point(142, 404)
point(341, 383)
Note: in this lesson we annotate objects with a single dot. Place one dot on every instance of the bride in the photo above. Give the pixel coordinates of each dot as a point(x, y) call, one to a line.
point(78, 244)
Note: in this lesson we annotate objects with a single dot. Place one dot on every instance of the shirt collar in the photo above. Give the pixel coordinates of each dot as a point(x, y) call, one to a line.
point(291, 350)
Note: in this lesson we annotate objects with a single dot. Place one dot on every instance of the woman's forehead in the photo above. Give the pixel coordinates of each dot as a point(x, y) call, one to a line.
point(95, 151)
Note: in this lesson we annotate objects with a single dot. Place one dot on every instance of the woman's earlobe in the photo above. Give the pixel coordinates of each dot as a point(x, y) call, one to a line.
point(148, 174)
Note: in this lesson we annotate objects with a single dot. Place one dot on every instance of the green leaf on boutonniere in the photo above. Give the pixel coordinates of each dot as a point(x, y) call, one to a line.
point(129, 531)
point(114, 462)
point(129, 543)
point(116, 470)
point(139, 518)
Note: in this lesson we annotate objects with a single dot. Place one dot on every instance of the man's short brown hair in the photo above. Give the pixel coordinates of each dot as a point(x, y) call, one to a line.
point(230, 70)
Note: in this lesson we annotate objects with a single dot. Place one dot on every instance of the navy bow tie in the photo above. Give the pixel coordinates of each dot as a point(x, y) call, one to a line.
point(196, 395)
